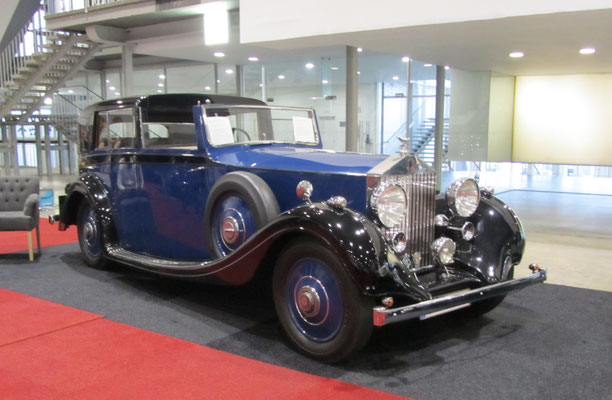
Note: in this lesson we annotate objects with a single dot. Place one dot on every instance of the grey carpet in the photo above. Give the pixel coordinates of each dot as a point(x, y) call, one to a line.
point(544, 342)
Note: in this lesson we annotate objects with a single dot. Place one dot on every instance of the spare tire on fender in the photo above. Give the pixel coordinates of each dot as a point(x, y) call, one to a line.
point(239, 204)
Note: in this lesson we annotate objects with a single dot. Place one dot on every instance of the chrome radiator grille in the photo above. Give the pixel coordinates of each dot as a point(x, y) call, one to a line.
point(418, 223)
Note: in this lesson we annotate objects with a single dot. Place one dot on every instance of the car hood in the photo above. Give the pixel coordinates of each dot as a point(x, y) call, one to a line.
point(298, 159)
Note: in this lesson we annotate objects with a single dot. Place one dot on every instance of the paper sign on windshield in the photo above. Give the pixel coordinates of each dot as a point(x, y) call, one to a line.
point(303, 129)
point(219, 130)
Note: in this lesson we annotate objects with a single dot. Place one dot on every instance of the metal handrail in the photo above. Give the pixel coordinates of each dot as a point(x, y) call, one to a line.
point(72, 5)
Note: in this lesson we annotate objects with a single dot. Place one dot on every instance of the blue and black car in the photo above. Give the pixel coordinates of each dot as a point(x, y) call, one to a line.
point(229, 189)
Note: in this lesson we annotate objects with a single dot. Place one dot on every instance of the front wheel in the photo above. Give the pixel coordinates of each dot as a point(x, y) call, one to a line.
point(90, 236)
point(321, 310)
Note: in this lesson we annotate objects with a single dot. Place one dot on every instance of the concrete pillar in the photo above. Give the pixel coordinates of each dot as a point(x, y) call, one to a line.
point(127, 70)
point(352, 99)
point(439, 127)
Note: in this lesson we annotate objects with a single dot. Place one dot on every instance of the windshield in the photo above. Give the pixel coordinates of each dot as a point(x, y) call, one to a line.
point(226, 125)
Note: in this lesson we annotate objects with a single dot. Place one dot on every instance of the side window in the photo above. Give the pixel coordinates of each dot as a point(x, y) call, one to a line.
point(169, 135)
point(116, 129)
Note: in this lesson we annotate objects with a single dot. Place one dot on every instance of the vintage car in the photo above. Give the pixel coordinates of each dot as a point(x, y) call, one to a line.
point(230, 189)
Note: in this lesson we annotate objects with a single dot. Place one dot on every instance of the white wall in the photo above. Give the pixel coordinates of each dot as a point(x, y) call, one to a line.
point(469, 116)
point(283, 19)
point(501, 118)
point(563, 119)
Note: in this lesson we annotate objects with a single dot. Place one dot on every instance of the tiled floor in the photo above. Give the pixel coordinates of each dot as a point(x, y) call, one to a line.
point(568, 224)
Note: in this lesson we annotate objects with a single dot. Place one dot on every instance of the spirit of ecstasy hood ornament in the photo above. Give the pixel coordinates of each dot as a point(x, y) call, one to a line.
point(405, 147)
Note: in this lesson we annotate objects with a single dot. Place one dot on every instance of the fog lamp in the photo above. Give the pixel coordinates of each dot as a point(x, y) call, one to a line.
point(444, 250)
point(468, 231)
point(399, 242)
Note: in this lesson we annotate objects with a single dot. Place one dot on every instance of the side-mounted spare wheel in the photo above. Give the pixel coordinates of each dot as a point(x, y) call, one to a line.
point(90, 236)
point(239, 204)
point(321, 310)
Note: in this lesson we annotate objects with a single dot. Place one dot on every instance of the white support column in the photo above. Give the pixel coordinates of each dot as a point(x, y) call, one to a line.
point(48, 151)
point(39, 166)
point(408, 99)
point(127, 69)
point(439, 127)
point(352, 99)
point(263, 83)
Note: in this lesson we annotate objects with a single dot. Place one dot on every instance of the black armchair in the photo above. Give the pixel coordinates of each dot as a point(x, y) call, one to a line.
point(19, 207)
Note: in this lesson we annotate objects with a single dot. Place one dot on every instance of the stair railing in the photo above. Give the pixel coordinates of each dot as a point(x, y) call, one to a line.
point(61, 6)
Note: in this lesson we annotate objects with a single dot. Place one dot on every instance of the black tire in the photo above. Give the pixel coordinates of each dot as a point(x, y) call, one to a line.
point(256, 207)
point(90, 236)
point(342, 322)
point(484, 306)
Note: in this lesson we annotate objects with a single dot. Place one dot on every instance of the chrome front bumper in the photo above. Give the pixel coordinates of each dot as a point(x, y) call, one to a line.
point(441, 305)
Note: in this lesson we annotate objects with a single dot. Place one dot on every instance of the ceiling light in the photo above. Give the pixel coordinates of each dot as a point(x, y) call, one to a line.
point(218, 81)
point(117, 94)
point(219, 54)
point(229, 71)
point(309, 65)
point(358, 72)
point(587, 50)
point(335, 68)
point(206, 87)
point(446, 67)
point(396, 78)
point(70, 91)
point(160, 84)
point(405, 59)
point(359, 49)
point(216, 27)
point(313, 98)
point(281, 76)
point(516, 54)
point(160, 91)
point(427, 65)
point(261, 85)
point(253, 59)
point(162, 76)
point(111, 88)
point(325, 81)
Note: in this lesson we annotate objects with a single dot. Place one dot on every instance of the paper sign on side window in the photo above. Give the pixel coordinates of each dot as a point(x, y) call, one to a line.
point(303, 129)
point(219, 130)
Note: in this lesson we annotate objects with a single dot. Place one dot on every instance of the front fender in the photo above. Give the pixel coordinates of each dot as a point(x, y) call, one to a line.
point(498, 233)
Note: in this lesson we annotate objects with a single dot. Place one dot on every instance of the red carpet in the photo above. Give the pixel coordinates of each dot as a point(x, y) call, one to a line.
point(101, 359)
point(12, 242)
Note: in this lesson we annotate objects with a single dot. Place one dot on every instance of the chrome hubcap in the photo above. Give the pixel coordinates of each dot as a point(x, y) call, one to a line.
point(230, 230)
point(308, 301)
point(89, 231)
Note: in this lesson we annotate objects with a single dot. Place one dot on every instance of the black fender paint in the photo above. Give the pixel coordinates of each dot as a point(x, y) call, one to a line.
point(498, 233)
point(89, 187)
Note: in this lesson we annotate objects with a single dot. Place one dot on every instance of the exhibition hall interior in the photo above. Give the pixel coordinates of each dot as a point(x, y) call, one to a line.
point(264, 199)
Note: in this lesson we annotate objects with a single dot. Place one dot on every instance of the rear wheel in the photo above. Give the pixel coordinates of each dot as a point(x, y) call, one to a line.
point(321, 310)
point(90, 236)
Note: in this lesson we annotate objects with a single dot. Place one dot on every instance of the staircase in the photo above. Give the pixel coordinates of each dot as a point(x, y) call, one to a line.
point(34, 66)
point(422, 142)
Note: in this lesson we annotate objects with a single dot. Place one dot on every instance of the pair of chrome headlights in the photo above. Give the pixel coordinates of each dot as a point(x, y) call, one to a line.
point(389, 202)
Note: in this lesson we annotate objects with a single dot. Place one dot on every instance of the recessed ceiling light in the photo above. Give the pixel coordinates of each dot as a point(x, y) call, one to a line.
point(405, 59)
point(446, 67)
point(253, 59)
point(396, 78)
point(358, 72)
point(281, 77)
point(117, 94)
point(219, 54)
point(107, 81)
point(516, 54)
point(325, 81)
point(313, 98)
point(162, 76)
point(218, 81)
point(335, 68)
point(160, 84)
point(427, 65)
point(206, 87)
point(229, 71)
point(309, 65)
point(111, 88)
point(261, 85)
point(359, 49)
point(587, 50)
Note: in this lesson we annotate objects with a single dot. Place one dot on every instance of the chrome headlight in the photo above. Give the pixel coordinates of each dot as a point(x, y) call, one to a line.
point(389, 204)
point(463, 197)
